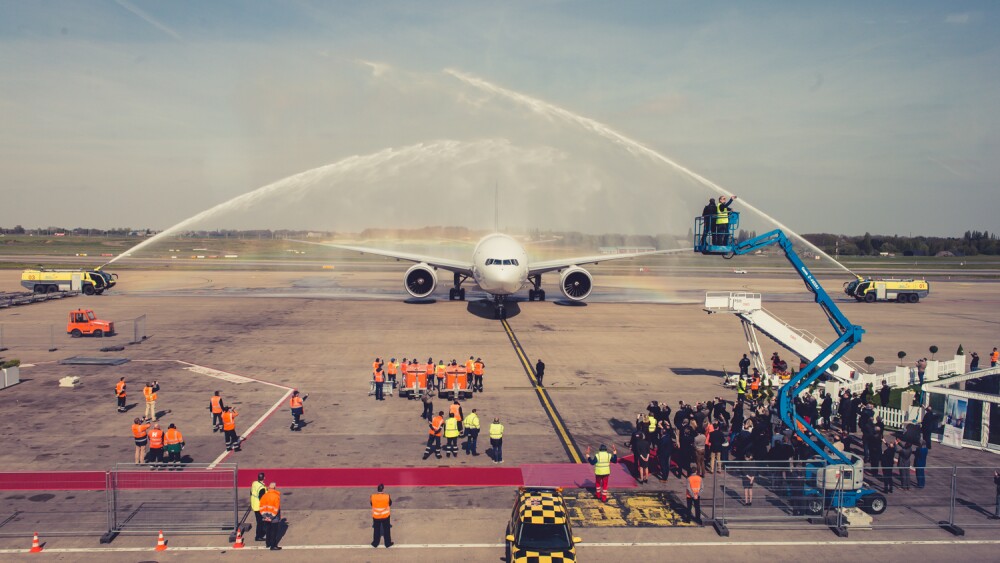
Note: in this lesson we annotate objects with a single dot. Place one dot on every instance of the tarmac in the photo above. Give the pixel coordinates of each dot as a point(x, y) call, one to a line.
point(255, 335)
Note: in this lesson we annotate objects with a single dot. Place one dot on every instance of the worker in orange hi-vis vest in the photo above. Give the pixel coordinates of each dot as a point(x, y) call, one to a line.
point(270, 513)
point(229, 415)
point(434, 436)
point(149, 392)
point(379, 378)
point(140, 433)
point(156, 447)
point(120, 394)
point(296, 405)
point(477, 371)
point(215, 405)
point(470, 368)
point(173, 443)
point(430, 373)
point(390, 372)
point(381, 502)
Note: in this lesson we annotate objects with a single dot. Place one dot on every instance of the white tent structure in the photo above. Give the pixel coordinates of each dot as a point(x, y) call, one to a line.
point(982, 390)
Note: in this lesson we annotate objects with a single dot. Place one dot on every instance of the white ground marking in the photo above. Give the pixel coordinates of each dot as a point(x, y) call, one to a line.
point(233, 378)
point(368, 547)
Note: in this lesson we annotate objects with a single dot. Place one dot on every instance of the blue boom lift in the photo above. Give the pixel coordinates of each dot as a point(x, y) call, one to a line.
point(839, 475)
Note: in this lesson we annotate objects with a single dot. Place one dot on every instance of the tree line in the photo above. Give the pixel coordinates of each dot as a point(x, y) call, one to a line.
point(972, 243)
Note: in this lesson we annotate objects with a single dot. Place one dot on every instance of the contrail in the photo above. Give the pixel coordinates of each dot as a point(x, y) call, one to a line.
point(630, 145)
point(149, 19)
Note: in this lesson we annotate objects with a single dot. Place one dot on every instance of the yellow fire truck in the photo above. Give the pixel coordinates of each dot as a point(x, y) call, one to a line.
point(89, 282)
point(892, 289)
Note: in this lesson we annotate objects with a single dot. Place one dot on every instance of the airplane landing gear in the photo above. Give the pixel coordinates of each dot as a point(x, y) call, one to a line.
point(499, 312)
point(457, 292)
point(536, 293)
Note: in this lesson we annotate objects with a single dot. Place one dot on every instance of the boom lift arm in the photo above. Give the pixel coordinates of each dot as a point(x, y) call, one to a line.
point(848, 335)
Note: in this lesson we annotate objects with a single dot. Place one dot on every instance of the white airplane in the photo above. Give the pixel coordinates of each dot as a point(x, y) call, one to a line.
point(500, 267)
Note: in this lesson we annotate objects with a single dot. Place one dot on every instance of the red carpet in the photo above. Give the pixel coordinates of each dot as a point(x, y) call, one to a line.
point(567, 475)
point(324, 477)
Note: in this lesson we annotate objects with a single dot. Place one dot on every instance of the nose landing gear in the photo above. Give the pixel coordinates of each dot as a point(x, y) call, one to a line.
point(499, 311)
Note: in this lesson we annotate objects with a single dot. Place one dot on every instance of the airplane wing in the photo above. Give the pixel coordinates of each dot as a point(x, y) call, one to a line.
point(552, 265)
point(457, 266)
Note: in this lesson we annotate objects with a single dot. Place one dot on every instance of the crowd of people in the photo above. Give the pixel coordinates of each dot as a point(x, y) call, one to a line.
point(694, 439)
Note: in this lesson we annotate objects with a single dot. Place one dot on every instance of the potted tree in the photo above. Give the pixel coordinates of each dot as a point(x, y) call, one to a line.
point(933, 350)
point(901, 354)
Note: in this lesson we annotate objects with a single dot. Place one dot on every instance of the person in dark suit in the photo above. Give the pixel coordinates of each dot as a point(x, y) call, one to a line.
point(708, 221)
point(928, 425)
point(883, 393)
point(888, 464)
point(540, 371)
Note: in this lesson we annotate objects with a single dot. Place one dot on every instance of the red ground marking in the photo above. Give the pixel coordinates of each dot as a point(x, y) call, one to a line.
point(389, 476)
point(285, 477)
point(569, 475)
point(52, 480)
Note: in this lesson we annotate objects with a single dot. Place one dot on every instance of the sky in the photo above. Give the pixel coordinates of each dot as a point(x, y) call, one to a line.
point(840, 117)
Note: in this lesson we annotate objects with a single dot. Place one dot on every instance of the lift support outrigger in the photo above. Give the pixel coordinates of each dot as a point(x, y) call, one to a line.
point(839, 475)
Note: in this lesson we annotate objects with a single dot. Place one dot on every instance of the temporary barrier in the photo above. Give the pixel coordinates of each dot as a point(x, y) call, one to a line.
point(138, 330)
point(188, 499)
point(950, 498)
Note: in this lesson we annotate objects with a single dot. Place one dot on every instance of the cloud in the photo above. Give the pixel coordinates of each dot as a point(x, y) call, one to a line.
point(958, 19)
point(378, 69)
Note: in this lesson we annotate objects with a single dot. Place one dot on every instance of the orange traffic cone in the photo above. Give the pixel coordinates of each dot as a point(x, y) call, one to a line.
point(161, 544)
point(239, 539)
point(36, 547)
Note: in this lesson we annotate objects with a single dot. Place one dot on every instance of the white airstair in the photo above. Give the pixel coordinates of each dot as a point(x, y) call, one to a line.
point(747, 306)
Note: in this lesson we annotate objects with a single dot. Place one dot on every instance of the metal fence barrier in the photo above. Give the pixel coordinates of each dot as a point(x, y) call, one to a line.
point(191, 498)
point(64, 504)
point(138, 330)
point(951, 498)
point(777, 493)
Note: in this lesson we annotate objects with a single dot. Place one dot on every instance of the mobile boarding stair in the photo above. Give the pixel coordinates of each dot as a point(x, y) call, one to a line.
point(747, 307)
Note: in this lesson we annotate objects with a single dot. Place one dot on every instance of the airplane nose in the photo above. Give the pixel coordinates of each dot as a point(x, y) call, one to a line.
point(507, 280)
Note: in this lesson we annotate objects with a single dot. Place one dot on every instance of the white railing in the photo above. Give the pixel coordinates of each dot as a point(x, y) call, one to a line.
point(732, 301)
point(901, 376)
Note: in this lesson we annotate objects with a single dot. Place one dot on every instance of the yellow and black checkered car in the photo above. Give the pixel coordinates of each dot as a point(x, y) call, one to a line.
point(539, 531)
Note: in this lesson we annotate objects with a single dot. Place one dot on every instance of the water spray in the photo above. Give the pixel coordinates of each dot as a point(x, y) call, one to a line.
point(390, 159)
point(630, 145)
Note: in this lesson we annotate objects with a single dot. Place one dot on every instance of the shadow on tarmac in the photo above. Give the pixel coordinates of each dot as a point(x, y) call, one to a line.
point(483, 308)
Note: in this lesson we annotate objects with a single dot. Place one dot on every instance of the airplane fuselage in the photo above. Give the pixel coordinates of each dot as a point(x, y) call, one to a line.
point(500, 265)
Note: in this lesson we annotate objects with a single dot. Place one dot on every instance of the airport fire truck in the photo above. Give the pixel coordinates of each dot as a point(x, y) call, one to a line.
point(89, 282)
point(837, 477)
point(891, 289)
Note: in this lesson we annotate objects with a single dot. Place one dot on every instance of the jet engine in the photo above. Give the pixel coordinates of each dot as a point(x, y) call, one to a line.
point(576, 283)
point(420, 280)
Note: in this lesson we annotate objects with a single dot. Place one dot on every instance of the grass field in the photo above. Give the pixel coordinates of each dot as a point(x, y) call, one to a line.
point(95, 250)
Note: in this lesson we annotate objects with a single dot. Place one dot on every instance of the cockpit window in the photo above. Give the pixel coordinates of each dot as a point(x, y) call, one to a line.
point(506, 263)
point(514, 262)
point(490, 261)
